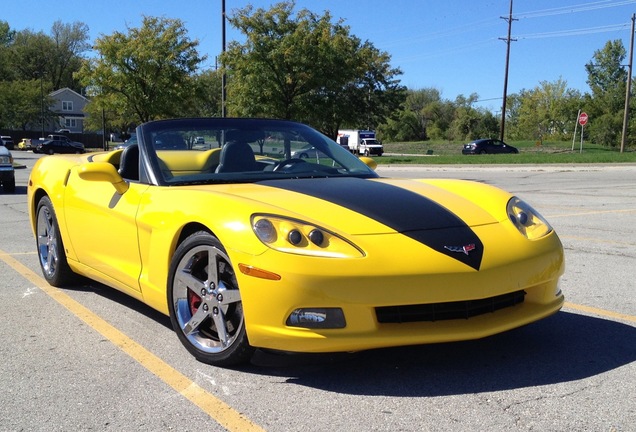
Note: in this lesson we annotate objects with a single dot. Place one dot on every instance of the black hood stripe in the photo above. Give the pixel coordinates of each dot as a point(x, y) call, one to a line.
point(407, 212)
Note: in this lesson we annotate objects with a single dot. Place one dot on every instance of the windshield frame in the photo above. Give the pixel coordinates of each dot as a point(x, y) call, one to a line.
point(155, 147)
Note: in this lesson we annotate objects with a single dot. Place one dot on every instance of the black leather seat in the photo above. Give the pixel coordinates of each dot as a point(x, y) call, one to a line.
point(237, 156)
point(129, 163)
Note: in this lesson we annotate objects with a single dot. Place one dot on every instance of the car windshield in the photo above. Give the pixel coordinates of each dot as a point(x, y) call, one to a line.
point(195, 151)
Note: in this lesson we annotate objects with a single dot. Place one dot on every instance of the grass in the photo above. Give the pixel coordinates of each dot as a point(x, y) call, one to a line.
point(530, 152)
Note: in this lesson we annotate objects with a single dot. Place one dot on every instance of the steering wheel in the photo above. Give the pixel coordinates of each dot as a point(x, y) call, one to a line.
point(287, 163)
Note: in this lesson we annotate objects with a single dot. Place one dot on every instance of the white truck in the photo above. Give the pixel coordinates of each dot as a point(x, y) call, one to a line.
point(360, 142)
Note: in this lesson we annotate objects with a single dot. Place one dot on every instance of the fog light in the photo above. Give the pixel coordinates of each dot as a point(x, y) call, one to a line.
point(295, 237)
point(319, 318)
point(316, 237)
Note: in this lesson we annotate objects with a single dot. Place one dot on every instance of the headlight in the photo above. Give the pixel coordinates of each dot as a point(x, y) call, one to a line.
point(299, 237)
point(6, 160)
point(527, 220)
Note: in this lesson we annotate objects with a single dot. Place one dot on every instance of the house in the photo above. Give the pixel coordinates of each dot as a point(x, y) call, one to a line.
point(69, 110)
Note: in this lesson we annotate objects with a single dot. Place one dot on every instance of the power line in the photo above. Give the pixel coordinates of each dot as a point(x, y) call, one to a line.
point(584, 7)
point(575, 32)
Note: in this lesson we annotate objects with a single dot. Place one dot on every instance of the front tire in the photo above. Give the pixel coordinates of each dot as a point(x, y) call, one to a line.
point(205, 304)
point(51, 253)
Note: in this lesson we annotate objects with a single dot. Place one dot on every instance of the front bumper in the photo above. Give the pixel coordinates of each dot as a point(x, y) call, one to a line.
point(361, 288)
point(7, 173)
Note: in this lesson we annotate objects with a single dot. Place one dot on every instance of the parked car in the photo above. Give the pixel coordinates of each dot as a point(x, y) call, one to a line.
point(129, 141)
point(309, 152)
point(6, 141)
point(488, 146)
point(59, 137)
point(7, 172)
point(26, 144)
point(245, 251)
point(51, 146)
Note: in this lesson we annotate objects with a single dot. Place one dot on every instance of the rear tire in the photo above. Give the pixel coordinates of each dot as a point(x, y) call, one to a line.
point(205, 304)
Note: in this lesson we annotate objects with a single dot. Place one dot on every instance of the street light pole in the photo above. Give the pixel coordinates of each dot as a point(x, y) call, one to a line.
point(42, 103)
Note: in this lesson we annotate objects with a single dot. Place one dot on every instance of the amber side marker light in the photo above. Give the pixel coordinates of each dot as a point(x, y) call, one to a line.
point(256, 272)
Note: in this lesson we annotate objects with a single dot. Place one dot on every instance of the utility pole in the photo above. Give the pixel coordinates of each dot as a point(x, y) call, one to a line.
point(223, 77)
point(505, 92)
point(628, 92)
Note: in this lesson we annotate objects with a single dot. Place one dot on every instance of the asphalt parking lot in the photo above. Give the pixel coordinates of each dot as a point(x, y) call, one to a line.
point(89, 358)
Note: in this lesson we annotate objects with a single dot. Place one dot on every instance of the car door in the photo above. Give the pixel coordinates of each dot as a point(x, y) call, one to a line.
point(498, 146)
point(102, 228)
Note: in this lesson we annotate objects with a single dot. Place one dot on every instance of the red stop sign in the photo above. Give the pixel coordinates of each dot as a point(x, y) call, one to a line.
point(583, 119)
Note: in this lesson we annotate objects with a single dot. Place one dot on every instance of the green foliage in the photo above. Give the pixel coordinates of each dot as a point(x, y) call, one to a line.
point(553, 152)
point(305, 67)
point(607, 79)
point(206, 100)
point(22, 104)
point(425, 115)
point(546, 112)
point(55, 57)
point(143, 75)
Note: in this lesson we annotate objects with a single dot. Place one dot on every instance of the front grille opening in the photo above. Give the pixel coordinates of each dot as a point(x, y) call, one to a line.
point(449, 310)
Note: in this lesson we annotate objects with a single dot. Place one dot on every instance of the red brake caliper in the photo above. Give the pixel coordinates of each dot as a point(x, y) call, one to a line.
point(195, 301)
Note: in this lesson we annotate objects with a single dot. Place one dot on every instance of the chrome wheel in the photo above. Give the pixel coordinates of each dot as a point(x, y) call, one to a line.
point(205, 302)
point(50, 250)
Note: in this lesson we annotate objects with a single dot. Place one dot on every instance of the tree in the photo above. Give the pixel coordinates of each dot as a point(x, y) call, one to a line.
point(305, 67)
point(30, 55)
point(144, 75)
point(471, 123)
point(7, 72)
point(547, 111)
point(207, 94)
point(22, 104)
point(423, 115)
point(70, 42)
point(607, 80)
point(54, 58)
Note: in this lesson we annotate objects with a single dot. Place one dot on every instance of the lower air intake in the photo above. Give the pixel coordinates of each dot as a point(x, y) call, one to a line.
point(447, 311)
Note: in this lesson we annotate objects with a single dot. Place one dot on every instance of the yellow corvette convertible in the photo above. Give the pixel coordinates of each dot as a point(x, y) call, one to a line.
point(215, 223)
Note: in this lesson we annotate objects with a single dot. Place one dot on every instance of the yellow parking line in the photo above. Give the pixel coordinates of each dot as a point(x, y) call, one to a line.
point(601, 312)
point(218, 410)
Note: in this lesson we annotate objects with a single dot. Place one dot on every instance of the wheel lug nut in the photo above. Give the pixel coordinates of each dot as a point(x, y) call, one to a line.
point(205, 307)
point(215, 310)
point(203, 292)
point(219, 297)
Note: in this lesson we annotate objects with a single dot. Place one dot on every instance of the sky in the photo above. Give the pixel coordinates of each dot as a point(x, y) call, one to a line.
point(455, 46)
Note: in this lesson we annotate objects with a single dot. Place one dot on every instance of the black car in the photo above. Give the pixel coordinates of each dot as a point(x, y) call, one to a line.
point(6, 141)
point(58, 146)
point(488, 146)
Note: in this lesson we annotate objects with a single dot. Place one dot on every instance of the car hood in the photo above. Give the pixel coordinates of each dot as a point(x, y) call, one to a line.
point(359, 206)
point(437, 213)
point(390, 205)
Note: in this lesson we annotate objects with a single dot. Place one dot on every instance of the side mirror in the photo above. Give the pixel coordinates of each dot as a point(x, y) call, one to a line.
point(369, 162)
point(104, 172)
